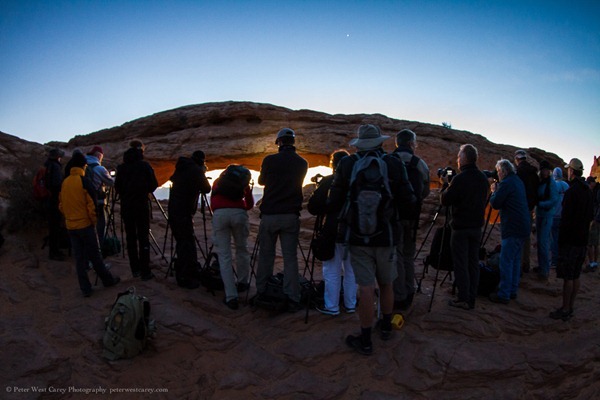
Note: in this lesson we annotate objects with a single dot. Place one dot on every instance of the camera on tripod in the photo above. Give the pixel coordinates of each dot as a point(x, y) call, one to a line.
point(491, 174)
point(316, 179)
point(446, 172)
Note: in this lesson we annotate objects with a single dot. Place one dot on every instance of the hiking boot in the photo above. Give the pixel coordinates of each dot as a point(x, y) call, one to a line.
point(494, 298)
point(326, 311)
point(357, 344)
point(560, 314)
point(232, 304)
point(384, 334)
point(459, 304)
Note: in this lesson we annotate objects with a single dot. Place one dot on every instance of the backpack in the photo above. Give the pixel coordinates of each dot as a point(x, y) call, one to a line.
point(275, 300)
point(414, 176)
point(210, 275)
point(232, 182)
point(40, 187)
point(369, 208)
point(89, 173)
point(128, 326)
point(440, 254)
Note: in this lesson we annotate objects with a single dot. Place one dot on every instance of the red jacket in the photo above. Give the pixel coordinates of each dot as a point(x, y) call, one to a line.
point(219, 201)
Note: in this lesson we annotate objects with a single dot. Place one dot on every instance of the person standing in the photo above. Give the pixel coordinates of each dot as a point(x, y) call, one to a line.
point(100, 178)
point(592, 250)
point(418, 175)
point(135, 181)
point(230, 201)
point(548, 199)
point(529, 176)
point(576, 216)
point(78, 204)
point(337, 271)
point(509, 197)
point(54, 179)
point(188, 183)
point(372, 251)
point(466, 194)
point(282, 175)
point(562, 188)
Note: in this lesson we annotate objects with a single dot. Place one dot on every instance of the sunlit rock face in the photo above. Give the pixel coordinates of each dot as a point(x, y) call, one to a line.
point(244, 132)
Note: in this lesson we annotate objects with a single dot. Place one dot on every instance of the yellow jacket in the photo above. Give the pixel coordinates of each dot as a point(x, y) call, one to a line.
point(77, 201)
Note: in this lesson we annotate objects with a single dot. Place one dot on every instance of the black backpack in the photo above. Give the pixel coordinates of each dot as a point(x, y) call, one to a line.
point(414, 176)
point(440, 254)
point(232, 182)
point(369, 209)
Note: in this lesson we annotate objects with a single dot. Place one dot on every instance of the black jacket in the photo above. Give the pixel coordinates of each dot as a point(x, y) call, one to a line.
point(189, 180)
point(467, 196)
point(282, 174)
point(577, 213)
point(135, 179)
point(528, 174)
point(317, 205)
point(399, 185)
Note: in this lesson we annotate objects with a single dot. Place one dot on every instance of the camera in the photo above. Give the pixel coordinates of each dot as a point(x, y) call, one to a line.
point(316, 179)
point(491, 174)
point(112, 173)
point(446, 172)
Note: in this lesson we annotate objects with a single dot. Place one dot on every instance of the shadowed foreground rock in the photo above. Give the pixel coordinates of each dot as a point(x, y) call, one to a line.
point(51, 337)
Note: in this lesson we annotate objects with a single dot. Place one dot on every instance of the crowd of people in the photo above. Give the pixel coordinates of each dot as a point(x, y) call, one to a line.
point(369, 208)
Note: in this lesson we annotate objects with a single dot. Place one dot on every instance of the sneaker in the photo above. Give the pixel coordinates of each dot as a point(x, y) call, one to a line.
point(494, 298)
point(356, 343)
point(232, 304)
point(350, 310)
point(326, 311)
point(459, 304)
point(560, 314)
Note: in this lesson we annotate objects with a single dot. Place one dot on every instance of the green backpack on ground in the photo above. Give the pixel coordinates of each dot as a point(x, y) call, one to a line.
point(128, 326)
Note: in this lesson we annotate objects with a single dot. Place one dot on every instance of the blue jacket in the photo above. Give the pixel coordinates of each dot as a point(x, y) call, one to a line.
point(511, 200)
point(547, 202)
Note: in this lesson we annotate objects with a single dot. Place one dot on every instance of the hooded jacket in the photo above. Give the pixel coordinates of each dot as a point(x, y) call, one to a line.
point(77, 200)
point(135, 179)
point(189, 180)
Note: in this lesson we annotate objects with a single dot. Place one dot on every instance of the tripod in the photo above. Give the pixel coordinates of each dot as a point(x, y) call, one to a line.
point(157, 249)
point(316, 229)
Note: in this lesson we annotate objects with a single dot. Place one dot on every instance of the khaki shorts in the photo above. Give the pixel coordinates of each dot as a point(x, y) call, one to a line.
point(594, 233)
point(371, 263)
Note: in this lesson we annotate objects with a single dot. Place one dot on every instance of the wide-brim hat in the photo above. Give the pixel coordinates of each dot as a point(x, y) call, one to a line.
point(369, 137)
point(575, 164)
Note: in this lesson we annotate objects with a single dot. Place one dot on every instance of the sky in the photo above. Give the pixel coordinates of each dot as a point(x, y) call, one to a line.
point(524, 73)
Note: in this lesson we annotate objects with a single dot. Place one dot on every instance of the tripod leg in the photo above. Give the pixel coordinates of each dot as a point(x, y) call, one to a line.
point(253, 258)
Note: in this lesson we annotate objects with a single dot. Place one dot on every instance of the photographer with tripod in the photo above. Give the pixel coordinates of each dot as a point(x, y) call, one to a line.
point(418, 175)
point(509, 197)
point(135, 181)
point(466, 194)
point(189, 182)
point(100, 178)
point(230, 201)
point(332, 268)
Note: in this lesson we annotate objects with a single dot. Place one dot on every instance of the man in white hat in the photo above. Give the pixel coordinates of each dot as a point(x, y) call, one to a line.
point(372, 257)
point(573, 234)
